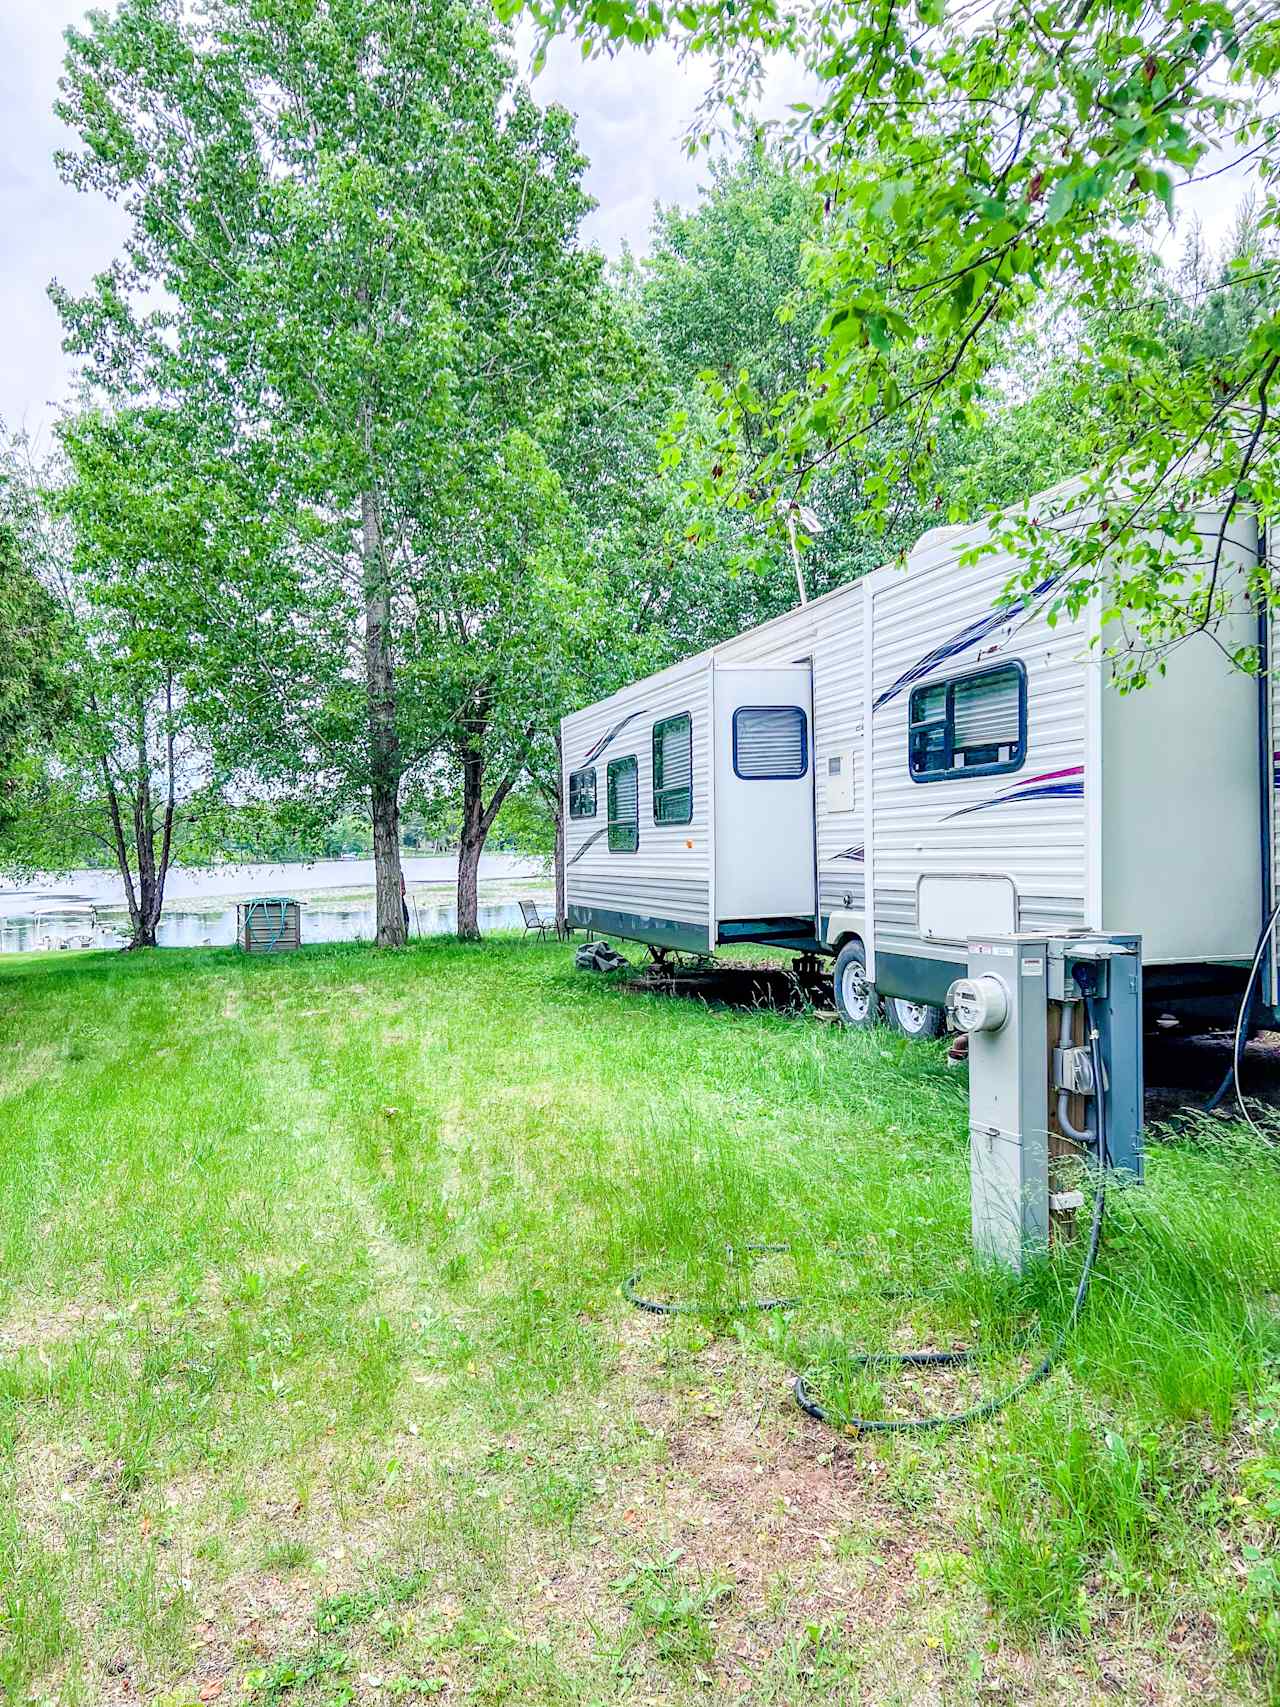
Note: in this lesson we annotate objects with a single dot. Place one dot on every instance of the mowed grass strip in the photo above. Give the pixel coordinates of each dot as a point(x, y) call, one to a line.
point(316, 1384)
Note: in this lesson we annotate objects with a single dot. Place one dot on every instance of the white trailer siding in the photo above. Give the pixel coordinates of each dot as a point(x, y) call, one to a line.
point(662, 892)
point(1025, 829)
point(1143, 813)
point(1182, 790)
point(787, 639)
point(838, 716)
point(828, 631)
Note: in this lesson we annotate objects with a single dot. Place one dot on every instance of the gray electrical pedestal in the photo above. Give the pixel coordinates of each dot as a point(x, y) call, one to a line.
point(1031, 1059)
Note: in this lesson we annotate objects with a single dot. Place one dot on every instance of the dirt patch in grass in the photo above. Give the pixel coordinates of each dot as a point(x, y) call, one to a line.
point(23, 1069)
point(825, 1556)
point(33, 1325)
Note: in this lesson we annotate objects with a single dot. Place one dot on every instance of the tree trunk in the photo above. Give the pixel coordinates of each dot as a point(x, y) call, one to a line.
point(144, 929)
point(145, 915)
point(470, 847)
point(144, 897)
point(161, 867)
point(384, 740)
point(477, 821)
point(144, 844)
point(145, 908)
point(388, 881)
point(153, 866)
point(121, 851)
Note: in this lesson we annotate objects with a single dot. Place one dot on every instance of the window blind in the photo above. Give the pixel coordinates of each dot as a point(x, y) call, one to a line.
point(988, 710)
point(624, 806)
point(973, 725)
point(770, 742)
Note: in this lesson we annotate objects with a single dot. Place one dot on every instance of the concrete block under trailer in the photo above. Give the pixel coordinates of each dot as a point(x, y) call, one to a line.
point(890, 770)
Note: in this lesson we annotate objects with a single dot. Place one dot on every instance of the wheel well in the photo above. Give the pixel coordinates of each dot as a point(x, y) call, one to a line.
point(842, 941)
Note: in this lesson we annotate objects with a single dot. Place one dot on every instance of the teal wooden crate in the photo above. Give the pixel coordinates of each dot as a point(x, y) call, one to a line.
point(272, 924)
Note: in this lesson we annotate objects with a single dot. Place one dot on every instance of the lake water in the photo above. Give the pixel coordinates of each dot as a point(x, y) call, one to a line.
point(86, 908)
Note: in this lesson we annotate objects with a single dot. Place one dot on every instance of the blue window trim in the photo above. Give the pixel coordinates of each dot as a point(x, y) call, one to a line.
point(775, 776)
point(1000, 767)
point(664, 723)
point(587, 770)
point(632, 824)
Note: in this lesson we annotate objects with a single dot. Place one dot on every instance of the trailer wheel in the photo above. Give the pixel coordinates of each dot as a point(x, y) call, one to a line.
point(856, 999)
point(915, 1019)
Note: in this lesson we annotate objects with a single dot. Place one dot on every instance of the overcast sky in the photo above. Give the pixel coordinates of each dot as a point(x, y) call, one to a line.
point(632, 110)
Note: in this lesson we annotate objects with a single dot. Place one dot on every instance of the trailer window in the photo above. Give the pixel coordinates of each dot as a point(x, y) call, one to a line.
point(582, 793)
point(972, 725)
point(624, 805)
point(673, 770)
point(770, 743)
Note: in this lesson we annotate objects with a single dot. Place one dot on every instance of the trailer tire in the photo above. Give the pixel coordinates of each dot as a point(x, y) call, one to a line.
point(915, 1019)
point(856, 999)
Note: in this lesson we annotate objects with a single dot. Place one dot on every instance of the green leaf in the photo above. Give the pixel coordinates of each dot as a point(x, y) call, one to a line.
point(1062, 200)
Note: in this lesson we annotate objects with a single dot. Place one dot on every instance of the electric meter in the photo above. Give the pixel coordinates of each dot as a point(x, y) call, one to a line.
point(979, 1004)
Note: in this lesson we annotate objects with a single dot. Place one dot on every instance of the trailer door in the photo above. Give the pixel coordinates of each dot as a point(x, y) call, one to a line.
point(765, 849)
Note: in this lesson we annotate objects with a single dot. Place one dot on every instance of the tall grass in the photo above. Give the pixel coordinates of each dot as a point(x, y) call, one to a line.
point(257, 1216)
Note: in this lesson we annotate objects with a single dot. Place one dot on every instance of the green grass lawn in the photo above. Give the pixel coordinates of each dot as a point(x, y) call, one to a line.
point(316, 1384)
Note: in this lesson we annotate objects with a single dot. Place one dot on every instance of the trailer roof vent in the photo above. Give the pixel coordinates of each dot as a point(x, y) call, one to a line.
point(934, 537)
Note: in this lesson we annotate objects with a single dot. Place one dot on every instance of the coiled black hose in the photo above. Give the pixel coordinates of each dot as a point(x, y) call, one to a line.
point(679, 1307)
point(950, 1359)
point(857, 1426)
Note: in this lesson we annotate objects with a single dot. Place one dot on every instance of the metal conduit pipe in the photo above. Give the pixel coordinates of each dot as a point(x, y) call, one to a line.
point(1064, 1041)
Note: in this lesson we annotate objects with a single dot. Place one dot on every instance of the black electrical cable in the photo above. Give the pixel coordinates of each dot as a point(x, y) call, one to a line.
point(679, 1307)
point(1231, 1078)
point(1228, 1079)
point(925, 1359)
point(1237, 1037)
point(951, 1359)
point(683, 1307)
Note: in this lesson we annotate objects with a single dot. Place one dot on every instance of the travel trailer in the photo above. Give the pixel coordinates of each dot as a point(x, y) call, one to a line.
point(906, 763)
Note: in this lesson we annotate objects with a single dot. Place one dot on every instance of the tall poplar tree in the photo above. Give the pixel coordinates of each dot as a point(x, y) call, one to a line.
point(352, 239)
point(33, 692)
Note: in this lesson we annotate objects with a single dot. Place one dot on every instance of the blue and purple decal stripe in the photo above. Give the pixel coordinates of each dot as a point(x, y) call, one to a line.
point(1060, 785)
point(589, 843)
point(856, 853)
point(1275, 769)
point(966, 638)
point(603, 742)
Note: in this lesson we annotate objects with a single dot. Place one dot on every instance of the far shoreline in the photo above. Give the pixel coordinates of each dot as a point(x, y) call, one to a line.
point(244, 880)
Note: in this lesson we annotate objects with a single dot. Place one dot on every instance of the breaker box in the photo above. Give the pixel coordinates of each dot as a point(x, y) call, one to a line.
point(1040, 1093)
